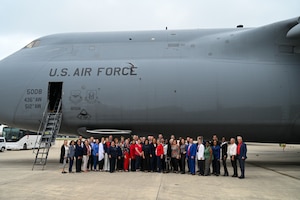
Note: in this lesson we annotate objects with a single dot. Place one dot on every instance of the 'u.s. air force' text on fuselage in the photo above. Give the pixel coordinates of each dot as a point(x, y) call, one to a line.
point(130, 70)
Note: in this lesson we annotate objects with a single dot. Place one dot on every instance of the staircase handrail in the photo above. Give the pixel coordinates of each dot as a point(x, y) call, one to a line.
point(41, 125)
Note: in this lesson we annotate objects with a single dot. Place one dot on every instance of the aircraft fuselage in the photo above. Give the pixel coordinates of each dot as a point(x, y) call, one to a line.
point(191, 82)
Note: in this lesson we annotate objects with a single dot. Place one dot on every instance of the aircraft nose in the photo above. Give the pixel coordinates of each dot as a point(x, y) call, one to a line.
point(9, 97)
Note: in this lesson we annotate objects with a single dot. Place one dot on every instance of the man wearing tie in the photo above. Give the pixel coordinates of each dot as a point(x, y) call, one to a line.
point(191, 154)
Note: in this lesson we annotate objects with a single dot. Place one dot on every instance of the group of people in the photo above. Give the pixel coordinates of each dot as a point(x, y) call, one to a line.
point(154, 155)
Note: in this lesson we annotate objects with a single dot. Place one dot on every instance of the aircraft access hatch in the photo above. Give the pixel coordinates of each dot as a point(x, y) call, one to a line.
point(54, 95)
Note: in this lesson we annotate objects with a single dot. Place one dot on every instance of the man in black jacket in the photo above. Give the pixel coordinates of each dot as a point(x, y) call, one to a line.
point(78, 156)
point(112, 154)
point(224, 147)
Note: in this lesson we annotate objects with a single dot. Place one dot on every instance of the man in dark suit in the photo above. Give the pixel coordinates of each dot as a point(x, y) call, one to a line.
point(224, 147)
point(112, 154)
point(191, 155)
point(78, 156)
point(242, 155)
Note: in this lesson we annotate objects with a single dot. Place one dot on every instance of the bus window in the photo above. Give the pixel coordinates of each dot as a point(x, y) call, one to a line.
point(11, 134)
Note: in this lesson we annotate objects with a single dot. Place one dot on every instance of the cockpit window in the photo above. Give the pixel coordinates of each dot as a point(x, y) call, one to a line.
point(32, 44)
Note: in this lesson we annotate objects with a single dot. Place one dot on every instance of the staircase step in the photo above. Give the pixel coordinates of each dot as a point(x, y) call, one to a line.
point(51, 125)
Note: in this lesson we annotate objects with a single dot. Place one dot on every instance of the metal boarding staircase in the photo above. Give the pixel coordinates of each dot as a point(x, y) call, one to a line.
point(49, 128)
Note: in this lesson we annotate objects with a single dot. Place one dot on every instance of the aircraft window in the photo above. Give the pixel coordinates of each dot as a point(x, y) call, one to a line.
point(32, 44)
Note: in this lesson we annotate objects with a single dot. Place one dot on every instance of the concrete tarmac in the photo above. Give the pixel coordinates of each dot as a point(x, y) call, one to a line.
point(271, 173)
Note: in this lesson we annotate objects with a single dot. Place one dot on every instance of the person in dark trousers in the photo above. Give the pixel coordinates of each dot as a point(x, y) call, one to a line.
point(182, 155)
point(138, 154)
point(242, 155)
point(159, 152)
point(175, 154)
point(186, 149)
point(224, 147)
point(112, 154)
point(91, 157)
point(146, 156)
point(200, 156)
point(101, 154)
point(119, 159)
point(152, 155)
point(216, 160)
point(78, 156)
point(232, 155)
point(132, 156)
point(71, 155)
point(169, 165)
point(142, 163)
point(64, 155)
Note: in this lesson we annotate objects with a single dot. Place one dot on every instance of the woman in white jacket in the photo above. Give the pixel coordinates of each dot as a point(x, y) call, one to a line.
point(101, 154)
point(200, 156)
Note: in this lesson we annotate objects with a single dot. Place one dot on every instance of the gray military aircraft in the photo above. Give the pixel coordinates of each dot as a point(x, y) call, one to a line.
point(185, 82)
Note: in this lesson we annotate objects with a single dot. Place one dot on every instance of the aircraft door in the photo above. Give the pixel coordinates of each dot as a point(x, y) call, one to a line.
point(54, 95)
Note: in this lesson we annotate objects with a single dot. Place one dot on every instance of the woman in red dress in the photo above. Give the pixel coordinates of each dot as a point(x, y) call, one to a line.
point(132, 155)
point(126, 154)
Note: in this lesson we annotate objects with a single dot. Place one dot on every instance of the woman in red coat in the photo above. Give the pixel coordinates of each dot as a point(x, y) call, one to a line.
point(132, 155)
point(159, 152)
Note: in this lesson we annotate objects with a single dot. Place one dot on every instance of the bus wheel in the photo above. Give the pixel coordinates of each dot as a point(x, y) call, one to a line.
point(2, 149)
point(25, 146)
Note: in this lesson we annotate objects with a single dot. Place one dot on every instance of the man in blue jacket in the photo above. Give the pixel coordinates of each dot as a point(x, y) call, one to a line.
point(191, 155)
point(95, 153)
point(242, 155)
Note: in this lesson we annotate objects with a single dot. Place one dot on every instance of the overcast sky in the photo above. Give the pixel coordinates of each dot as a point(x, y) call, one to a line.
point(25, 20)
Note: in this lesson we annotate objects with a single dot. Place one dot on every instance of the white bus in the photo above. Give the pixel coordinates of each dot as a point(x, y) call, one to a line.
point(1, 128)
point(17, 139)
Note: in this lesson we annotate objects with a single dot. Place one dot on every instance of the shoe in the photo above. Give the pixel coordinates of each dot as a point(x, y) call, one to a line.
point(182, 172)
point(241, 177)
point(234, 176)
